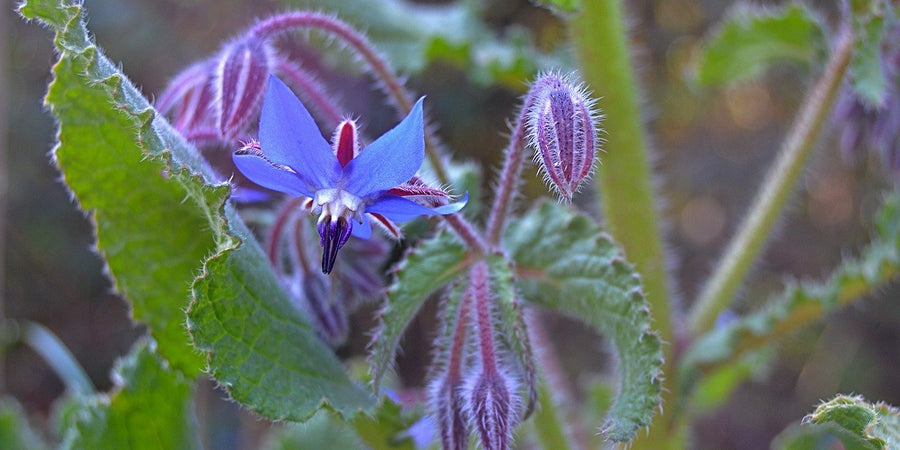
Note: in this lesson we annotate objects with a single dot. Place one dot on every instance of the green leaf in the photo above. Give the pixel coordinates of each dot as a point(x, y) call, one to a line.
point(716, 388)
point(565, 263)
point(802, 304)
point(817, 437)
point(425, 270)
point(562, 6)
point(866, 69)
point(15, 431)
point(387, 428)
point(261, 350)
point(149, 408)
point(748, 42)
point(877, 426)
point(145, 231)
point(160, 213)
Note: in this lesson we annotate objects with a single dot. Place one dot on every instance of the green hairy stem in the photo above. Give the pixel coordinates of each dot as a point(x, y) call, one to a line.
point(624, 176)
point(769, 203)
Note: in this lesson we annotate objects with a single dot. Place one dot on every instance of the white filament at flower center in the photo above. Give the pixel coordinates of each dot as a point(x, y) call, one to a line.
point(336, 203)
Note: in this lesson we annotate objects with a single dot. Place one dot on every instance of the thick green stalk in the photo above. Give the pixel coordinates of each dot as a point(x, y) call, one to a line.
point(624, 175)
point(746, 245)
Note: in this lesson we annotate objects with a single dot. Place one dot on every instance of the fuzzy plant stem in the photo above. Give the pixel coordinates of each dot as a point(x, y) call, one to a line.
point(392, 83)
point(311, 90)
point(480, 294)
point(467, 232)
point(509, 175)
point(746, 245)
point(624, 175)
point(458, 343)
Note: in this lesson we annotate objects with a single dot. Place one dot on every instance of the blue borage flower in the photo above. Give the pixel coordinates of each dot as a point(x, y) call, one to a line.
point(348, 187)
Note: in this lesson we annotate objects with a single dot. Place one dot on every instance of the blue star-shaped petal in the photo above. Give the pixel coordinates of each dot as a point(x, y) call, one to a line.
point(346, 184)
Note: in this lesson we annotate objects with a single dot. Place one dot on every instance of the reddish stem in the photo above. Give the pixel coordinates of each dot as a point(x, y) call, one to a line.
point(509, 176)
point(467, 232)
point(480, 292)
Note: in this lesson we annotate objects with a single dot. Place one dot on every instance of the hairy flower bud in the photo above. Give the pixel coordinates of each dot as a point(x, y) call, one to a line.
point(445, 390)
point(447, 403)
point(240, 83)
point(493, 408)
point(492, 392)
point(562, 129)
point(188, 97)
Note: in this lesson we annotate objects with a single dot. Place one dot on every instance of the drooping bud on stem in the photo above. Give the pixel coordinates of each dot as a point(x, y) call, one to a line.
point(562, 128)
point(240, 82)
point(188, 97)
point(446, 388)
point(492, 391)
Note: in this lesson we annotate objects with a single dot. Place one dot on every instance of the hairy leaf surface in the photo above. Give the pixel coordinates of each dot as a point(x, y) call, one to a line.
point(565, 263)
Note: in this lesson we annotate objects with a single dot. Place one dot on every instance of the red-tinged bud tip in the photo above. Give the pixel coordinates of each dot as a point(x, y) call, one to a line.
point(562, 128)
point(346, 141)
point(240, 83)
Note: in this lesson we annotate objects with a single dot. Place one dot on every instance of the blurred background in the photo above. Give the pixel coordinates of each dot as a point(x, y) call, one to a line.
point(712, 149)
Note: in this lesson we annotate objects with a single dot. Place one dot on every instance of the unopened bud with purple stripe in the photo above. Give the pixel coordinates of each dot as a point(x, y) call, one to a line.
point(240, 82)
point(562, 128)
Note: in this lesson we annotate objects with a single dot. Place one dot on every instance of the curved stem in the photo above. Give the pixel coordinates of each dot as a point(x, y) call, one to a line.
point(310, 89)
point(467, 232)
point(392, 84)
point(746, 245)
point(55, 353)
point(509, 176)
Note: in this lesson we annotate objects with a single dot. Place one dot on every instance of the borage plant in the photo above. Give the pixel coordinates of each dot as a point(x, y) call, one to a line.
point(247, 268)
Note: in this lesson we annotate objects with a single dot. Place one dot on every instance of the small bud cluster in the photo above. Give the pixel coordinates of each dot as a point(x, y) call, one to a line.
point(562, 128)
point(475, 388)
point(216, 100)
